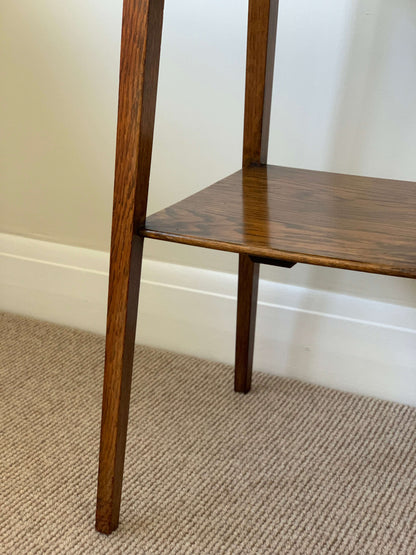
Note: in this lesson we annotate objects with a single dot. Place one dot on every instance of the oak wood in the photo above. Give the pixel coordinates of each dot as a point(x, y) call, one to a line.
point(121, 325)
point(267, 214)
point(248, 280)
point(356, 223)
point(261, 43)
point(140, 49)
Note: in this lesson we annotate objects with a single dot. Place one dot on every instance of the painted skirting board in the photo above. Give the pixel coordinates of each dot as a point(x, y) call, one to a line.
point(340, 341)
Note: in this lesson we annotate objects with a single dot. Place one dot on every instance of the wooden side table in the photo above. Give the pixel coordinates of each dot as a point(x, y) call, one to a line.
point(267, 214)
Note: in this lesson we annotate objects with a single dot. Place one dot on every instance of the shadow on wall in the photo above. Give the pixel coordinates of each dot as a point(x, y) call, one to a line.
point(376, 92)
point(375, 105)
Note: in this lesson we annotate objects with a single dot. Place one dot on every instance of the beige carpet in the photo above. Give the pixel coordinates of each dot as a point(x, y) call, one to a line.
point(289, 468)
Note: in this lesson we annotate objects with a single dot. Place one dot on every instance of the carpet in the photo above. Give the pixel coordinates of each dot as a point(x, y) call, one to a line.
point(290, 468)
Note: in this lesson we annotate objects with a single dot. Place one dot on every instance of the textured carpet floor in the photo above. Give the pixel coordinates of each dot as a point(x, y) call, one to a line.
point(289, 468)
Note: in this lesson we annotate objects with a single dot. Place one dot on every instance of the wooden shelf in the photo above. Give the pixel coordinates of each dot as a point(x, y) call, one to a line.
point(338, 220)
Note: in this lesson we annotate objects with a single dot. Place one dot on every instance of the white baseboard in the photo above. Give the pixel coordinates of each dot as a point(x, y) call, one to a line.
point(340, 341)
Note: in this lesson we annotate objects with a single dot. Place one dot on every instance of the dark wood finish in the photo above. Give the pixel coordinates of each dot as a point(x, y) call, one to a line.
point(273, 261)
point(248, 281)
point(261, 43)
point(121, 326)
point(267, 214)
point(343, 221)
point(140, 48)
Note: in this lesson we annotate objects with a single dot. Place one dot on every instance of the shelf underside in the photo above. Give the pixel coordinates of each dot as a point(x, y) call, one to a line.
point(338, 220)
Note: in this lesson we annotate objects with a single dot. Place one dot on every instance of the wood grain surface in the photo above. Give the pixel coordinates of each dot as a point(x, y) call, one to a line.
point(140, 48)
point(261, 44)
point(338, 220)
point(248, 284)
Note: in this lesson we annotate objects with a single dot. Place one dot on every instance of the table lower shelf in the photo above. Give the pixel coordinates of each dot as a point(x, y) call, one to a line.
point(329, 219)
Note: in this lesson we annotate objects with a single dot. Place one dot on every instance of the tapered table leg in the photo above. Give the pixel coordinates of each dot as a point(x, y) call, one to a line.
point(121, 327)
point(248, 279)
point(139, 67)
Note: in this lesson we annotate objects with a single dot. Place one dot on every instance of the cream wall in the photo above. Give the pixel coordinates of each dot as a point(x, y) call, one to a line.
point(343, 101)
